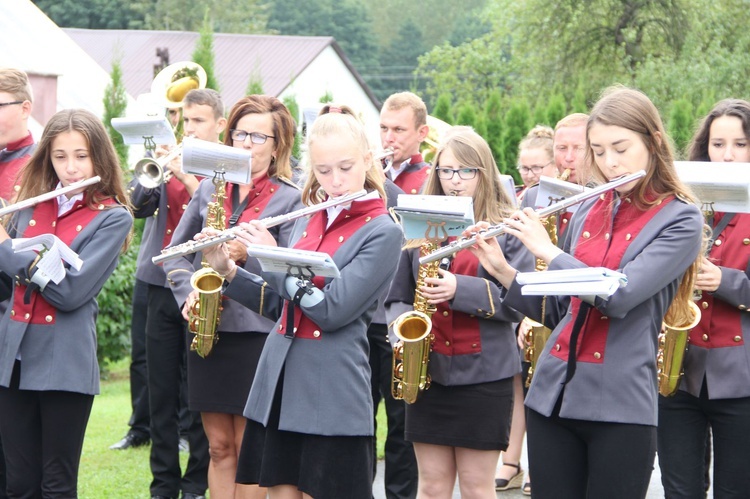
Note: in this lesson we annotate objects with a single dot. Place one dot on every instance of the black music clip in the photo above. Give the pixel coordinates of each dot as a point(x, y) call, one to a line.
point(148, 143)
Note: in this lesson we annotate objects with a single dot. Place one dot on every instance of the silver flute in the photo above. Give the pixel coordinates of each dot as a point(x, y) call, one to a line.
point(190, 247)
point(49, 195)
point(496, 230)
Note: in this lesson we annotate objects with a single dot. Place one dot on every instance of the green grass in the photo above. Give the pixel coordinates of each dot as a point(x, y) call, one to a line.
point(125, 474)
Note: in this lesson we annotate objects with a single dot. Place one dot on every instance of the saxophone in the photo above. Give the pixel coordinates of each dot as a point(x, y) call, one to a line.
point(411, 354)
point(205, 314)
point(537, 334)
point(673, 341)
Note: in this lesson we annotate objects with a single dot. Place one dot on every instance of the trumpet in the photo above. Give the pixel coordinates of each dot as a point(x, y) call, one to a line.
point(12, 208)
point(386, 157)
point(191, 247)
point(151, 173)
point(499, 229)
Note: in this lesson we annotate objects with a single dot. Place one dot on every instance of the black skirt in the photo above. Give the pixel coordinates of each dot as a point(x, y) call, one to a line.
point(221, 381)
point(469, 416)
point(324, 467)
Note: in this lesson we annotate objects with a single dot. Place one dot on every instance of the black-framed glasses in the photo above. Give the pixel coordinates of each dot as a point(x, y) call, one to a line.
point(535, 169)
point(3, 104)
point(463, 173)
point(255, 137)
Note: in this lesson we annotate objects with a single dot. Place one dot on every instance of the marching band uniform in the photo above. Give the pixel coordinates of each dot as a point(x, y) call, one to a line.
point(163, 207)
point(412, 174)
point(312, 388)
point(12, 160)
point(48, 342)
point(221, 381)
point(715, 389)
point(401, 472)
point(529, 201)
point(615, 368)
point(474, 354)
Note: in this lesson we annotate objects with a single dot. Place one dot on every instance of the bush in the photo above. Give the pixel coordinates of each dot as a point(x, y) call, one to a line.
point(115, 308)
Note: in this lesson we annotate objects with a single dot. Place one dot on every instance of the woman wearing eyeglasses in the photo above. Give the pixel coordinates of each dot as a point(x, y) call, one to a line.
point(461, 423)
point(219, 384)
point(536, 157)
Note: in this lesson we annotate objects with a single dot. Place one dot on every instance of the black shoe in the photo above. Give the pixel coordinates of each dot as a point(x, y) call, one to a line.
point(161, 497)
point(190, 495)
point(130, 440)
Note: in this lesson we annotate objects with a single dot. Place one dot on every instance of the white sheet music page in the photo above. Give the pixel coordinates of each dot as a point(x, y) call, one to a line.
point(282, 260)
point(592, 281)
point(135, 129)
point(55, 252)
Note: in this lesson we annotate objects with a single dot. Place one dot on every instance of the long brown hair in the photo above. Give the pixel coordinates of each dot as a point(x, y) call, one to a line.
point(39, 177)
point(283, 129)
point(631, 109)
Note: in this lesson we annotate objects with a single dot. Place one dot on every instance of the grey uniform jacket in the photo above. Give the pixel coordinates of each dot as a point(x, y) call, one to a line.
point(623, 387)
point(153, 205)
point(494, 354)
point(234, 317)
point(62, 356)
point(327, 379)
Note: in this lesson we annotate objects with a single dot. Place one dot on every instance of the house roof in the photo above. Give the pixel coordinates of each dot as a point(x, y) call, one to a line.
point(272, 59)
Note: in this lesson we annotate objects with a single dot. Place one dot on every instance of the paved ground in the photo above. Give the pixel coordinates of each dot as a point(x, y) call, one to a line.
point(655, 490)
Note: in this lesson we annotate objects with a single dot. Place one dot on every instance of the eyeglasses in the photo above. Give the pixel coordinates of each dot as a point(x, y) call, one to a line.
point(3, 104)
point(463, 173)
point(255, 137)
point(534, 169)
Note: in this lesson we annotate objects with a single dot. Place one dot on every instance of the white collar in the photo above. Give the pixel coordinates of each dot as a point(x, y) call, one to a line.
point(334, 211)
point(64, 203)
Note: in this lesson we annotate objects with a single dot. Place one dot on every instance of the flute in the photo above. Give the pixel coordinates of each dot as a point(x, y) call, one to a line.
point(190, 247)
point(48, 195)
point(499, 229)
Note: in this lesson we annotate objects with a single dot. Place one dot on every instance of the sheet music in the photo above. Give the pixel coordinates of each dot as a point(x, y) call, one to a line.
point(134, 129)
point(552, 190)
point(276, 259)
point(204, 158)
point(726, 185)
point(509, 186)
point(55, 253)
point(436, 217)
point(598, 281)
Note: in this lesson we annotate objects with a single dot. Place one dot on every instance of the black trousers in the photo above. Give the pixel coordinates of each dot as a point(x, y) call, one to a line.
point(683, 420)
point(400, 462)
point(140, 419)
point(165, 353)
point(42, 434)
point(3, 495)
point(575, 459)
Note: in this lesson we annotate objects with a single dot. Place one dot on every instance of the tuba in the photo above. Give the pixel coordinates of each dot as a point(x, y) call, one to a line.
point(173, 83)
point(437, 131)
point(411, 354)
point(205, 314)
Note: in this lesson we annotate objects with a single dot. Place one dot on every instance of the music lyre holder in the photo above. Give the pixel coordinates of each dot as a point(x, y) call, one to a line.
point(148, 143)
point(305, 286)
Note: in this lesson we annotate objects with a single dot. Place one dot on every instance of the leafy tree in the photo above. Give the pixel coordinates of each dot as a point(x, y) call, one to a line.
point(540, 113)
point(517, 124)
point(326, 97)
point(92, 14)
point(397, 63)
point(680, 125)
point(555, 109)
point(493, 113)
point(204, 52)
point(227, 16)
point(467, 115)
point(442, 109)
point(291, 104)
point(115, 103)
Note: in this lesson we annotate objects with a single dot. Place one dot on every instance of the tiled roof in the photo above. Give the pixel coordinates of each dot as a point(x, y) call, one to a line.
point(275, 60)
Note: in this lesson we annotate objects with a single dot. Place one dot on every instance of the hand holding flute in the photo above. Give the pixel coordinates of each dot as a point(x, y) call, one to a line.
point(222, 257)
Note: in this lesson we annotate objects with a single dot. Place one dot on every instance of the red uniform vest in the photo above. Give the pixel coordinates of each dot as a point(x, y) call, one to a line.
point(603, 243)
point(317, 238)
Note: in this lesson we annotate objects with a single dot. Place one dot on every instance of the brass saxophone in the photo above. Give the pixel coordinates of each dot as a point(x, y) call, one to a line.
point(411, 354)
point(205, 314)
point(673, 341)
point(537, 334)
